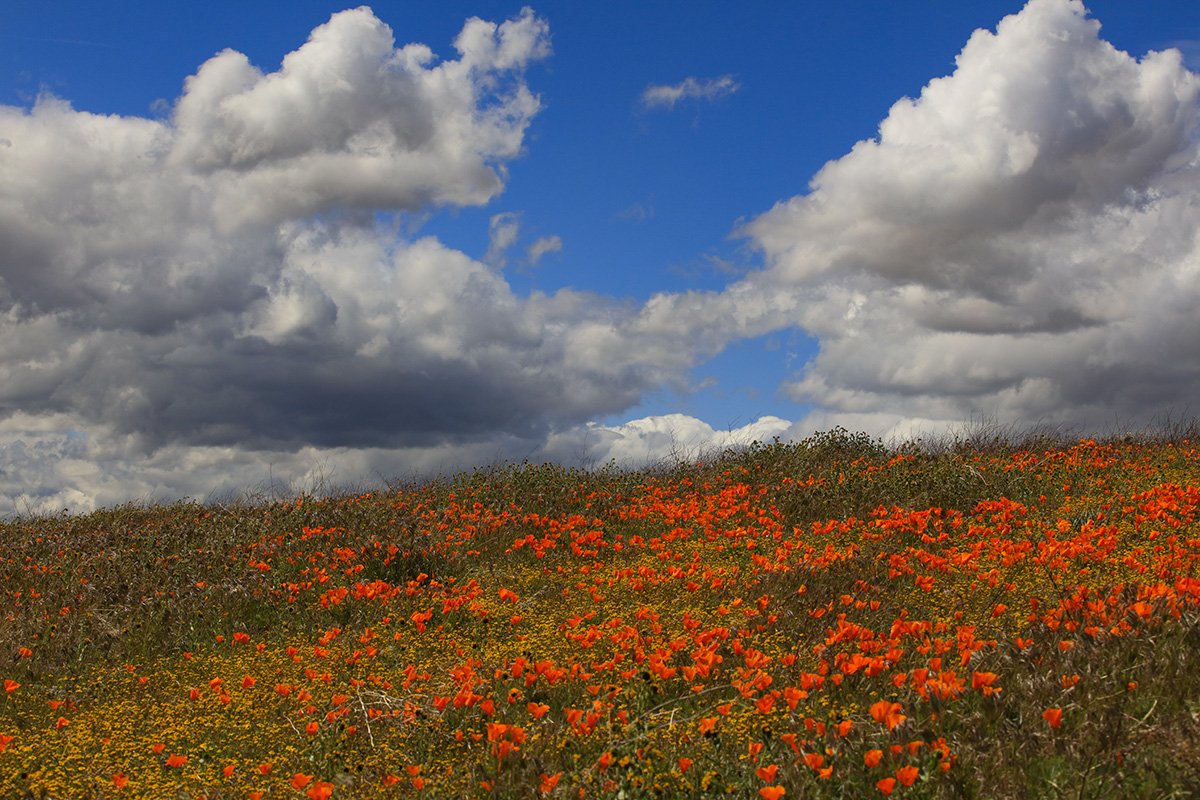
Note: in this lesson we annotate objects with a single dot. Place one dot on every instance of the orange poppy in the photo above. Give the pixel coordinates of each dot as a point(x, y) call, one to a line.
point(888, 713)
point(320, 791)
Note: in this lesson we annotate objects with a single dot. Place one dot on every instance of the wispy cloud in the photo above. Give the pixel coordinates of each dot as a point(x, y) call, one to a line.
point(663, 96)
point(638, 212)
point(502, 234)
point(541, 246)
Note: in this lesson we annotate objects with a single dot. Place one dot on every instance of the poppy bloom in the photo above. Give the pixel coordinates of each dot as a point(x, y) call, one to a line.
point(176, 761)
point(888, 713)
point(320, 791)
point(983, 680)
point(886, 785)
point(1053, 716)
point(120, 779)
point(872, 757)
point(685, 764)
point(772, 792)
point(767, 773)
point(265, 769)
point(11, 686)
point(906, 775)
point(300, 780)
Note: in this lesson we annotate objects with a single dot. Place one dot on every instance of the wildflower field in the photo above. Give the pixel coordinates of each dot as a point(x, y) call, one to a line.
point(829, 618)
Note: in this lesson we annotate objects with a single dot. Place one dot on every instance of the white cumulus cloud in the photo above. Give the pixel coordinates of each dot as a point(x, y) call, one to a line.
point(187, 299)
point(1019, 243)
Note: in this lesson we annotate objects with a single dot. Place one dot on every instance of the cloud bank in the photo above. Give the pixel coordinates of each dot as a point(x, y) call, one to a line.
point(219, 279)
point(189, 303)
point(219, 283)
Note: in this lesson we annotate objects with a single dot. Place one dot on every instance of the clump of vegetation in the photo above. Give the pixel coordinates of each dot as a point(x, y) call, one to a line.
point(977, 617)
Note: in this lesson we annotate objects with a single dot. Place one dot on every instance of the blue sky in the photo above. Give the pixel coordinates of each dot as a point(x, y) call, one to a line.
point(644, 200)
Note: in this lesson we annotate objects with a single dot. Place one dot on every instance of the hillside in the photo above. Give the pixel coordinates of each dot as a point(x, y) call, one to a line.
point(831, 618)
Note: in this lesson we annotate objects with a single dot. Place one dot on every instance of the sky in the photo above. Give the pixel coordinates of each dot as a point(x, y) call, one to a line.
point(245, 251)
